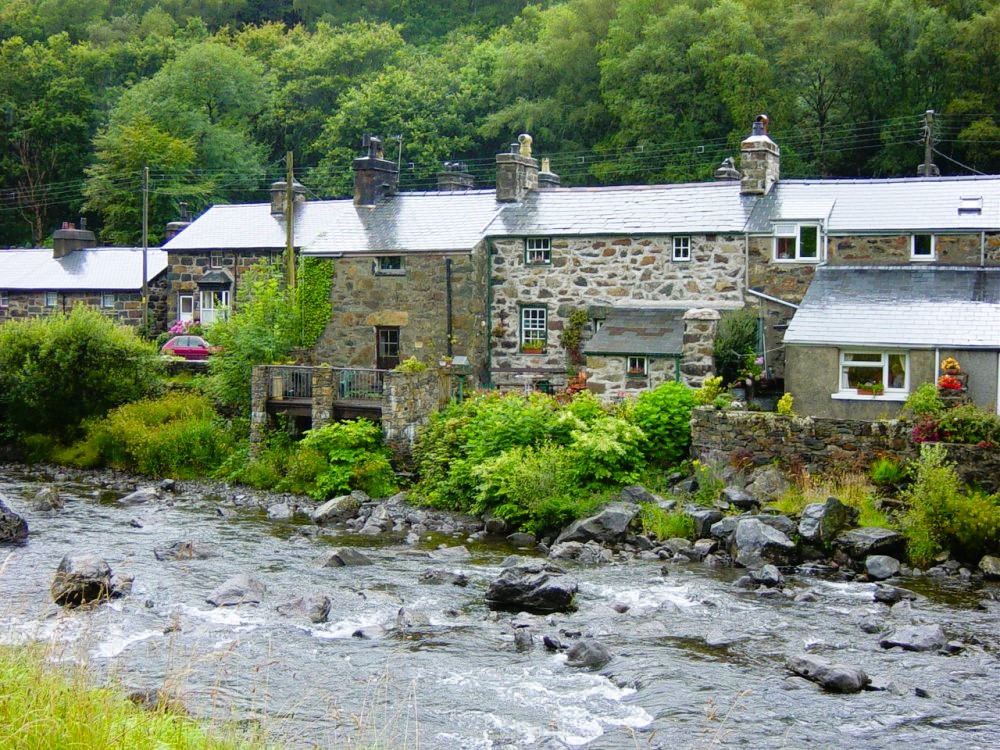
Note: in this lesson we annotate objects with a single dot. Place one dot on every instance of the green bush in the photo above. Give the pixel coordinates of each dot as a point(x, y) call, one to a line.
point(664, 414)
point(923, 402)
point(609, 451)
point(710, 390)
point(666, 524)
point(349, 456)
point(968, 424)
point(735, 336)
point(59, 370)
point(887, 472)
point(941, 515)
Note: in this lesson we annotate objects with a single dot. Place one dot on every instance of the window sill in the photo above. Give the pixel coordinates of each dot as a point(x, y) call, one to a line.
point(390, 273)
point(922, 258)
point(800, 261)
point(852, 396)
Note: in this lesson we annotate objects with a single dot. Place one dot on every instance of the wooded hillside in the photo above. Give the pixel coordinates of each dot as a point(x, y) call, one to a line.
point(211, 94)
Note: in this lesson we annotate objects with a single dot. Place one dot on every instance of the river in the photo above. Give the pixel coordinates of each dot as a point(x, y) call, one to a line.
point(698, 663)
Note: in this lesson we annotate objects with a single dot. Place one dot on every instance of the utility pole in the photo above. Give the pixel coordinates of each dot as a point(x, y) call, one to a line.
point(929, 168)
point(145, 248)
point(290, 220)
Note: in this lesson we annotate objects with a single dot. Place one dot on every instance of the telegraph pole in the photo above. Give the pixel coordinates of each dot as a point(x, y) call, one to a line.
point(145, 248)
point(929, 168)
point(290, 221)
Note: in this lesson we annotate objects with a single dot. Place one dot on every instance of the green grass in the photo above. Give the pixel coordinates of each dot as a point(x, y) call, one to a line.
point(665, 524)
point(43, 707)
point(851, 488)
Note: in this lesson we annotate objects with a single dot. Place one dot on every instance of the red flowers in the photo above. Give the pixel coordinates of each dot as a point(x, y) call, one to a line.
point(949, 382)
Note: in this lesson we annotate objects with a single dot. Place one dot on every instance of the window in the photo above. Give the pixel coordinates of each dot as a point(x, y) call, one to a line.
point(108, 300)
point(922, 247)
point(387, 347)
point(534, 329)
point(637, 367)
point(682, 248)
point(796, 242)
point(389, 265)
point(215, 259)
point(214, 306)
point(51, 299)
point(537, 251)
point(4, 299)
point(890, 370)
point(185, 308)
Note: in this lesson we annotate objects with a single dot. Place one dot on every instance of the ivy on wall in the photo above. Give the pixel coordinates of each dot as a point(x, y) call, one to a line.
point(313, 291)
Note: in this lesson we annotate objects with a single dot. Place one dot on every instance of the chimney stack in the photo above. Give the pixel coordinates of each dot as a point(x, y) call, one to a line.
point(278, 196)
point(517, 172)
point(454, 175)
point(760, 160)
point(69, 238)
point(375, 177)
point(727, 170)
point(547, 178)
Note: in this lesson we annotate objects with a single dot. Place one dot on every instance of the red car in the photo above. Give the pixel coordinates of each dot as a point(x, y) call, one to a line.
point(188, 347)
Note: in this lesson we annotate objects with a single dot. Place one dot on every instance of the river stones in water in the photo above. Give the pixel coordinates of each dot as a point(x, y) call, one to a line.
point(141, 496)
point(47, 499)
point(590, 553)
point(451, 553)
point(609, 525)
point(536, 587)
point(240, 589)
point(189, 550)
point(407, 619)
point(881, 567)
point(81, 578)
point(756, 543)
point(989, 566)
point(821, 522)
point(916, 638)
point(521, 539)
point(836, 678)
point(588, 653)
point(870, 540)
point(344, 557)
point(739, 498)
point(315, 608)
point(13, 528)
point(439, 576)
point(703, 519)
point(338, 509)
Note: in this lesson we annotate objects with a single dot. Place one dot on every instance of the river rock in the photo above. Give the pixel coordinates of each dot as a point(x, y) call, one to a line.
point(379, 521)
point(989, 566)
point(881, 567)
point(523, 639)
point(870, 540)
point(81, 579)
point(836, 678)
point(343, 557)
point(338, 509)
point(768, 576)
point(588, 653)
point(521, 539)
point(494, 526)
point(314, 608)
point(280, 512)
point(767, 483)
point(609, 525)
point(636, 493)
point(756, 543)
point(784, 524)
point(536, 587)
point(48, 498)
point(821, 522)
point(451, 553)
point(739, 498)
point(703, 519)
point(440, 576)
point(725, 529)
point(185, 551)
point(13, 528)
point(407, 619)
point(240, 589)
point(141, 496)
point(916, 638)
point(891, 595)
point(590, 553)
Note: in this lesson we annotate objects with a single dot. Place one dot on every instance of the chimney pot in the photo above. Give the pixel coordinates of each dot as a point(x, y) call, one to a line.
point(760, 160)
point(517, 172)
point(375, 177)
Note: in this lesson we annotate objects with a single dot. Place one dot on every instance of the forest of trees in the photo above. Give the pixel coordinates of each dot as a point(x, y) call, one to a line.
point(211, 94)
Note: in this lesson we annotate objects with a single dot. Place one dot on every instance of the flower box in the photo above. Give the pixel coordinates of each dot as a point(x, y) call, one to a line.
point(533, 346)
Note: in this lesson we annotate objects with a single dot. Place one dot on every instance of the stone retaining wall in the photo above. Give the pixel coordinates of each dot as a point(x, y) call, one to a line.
point(823, 444)
point(407, 403)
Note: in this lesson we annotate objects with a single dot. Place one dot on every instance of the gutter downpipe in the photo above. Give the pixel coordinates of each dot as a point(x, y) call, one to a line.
point(489, 314)
point(448, 305)
point(982, 249)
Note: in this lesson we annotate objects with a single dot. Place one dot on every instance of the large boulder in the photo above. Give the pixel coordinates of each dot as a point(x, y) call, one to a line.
point(768, 484)
point(916, 638)
point(536, 587)
point(881, 567)
point(189, 550)
point(240, 589)
point(338, 509)
point(588, 653)
point(725, 529)
point(81, 579)
point(315, 608)
point(610, 525)
point(739, 498)
point(989, 566)
point(821, 522)
point(590, 553)
point(837, 678)
point(703, 519)
point(870, 540)
point(756, 544)
point(141, 496)
point(343, 557)
point(13, 528)
point(48, 498)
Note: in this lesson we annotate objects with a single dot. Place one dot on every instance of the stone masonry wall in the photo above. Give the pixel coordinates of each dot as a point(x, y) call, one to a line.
point(822, 445)
point(407, 403)
point(185, 269)
point(415, 301)
point(593, 272)
point(127, 309)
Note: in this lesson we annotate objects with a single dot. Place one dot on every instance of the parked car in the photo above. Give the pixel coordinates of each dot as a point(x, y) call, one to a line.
point(188, 347)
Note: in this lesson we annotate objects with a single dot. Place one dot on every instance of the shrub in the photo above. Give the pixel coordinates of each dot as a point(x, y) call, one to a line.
point(353, 458)
point(666, 524)
point(924, 402)
point(609, 451)
point(710, 390)
point(784, 405)
point(968, 424)
point(411, 365)
point(710, 484)
point(664, 414)
point(59, 370)
point(887, 472)
point(735, 336)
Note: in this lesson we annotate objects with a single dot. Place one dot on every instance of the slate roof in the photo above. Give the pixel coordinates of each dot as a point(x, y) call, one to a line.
point(90, 269)
point(250, 226)
point(635, 209)
point(887, 306)
point(884, 205)
point(640, 332)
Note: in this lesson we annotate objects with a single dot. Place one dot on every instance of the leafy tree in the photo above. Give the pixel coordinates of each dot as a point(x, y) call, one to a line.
point(57, 371)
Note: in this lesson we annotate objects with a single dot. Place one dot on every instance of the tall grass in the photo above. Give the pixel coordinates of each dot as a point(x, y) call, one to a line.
point(851, 488)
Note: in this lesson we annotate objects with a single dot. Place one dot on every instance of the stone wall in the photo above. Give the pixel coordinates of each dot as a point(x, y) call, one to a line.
point(127, 308)
point(408, 401)
point(596, 272)
point(186, 268)
point(607, 375)
point(822, 445)
point(415, 301)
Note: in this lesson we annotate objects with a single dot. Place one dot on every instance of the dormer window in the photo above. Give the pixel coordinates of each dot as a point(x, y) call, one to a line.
point(796, 242)
point(969, 204)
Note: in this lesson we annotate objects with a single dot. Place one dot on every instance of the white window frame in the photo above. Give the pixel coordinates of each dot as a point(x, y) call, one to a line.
point(4, 299)
point(681, 248)
point(636, 366)
point(914, 255)
point(389, 265)
point(215, 259)
point(881, 369)
point(214, 305)
point(185, 301)
point(538, 251)
point(534, 324)
point(51, 299)
point(108, 300)
point(785, 230)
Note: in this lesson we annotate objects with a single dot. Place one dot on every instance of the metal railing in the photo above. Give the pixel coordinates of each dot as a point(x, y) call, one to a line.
point(288, 381)
point(355, 384)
